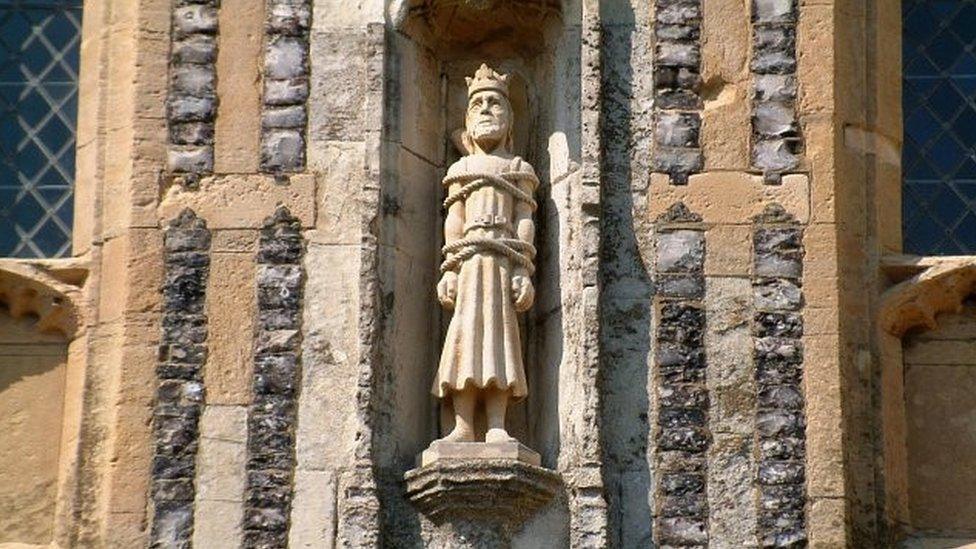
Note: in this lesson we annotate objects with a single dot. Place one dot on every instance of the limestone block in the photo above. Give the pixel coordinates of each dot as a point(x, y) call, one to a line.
point(728, 251)
point(242, 202)
point(346, 14)
point(238, 76)
point(472, 451)
point(231, 310)
point(313, 513)
point(729, 197)
point(338, 87)
point(220, 477)
point(341, 170)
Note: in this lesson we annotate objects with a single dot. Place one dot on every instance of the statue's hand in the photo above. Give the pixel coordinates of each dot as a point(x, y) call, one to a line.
point(524, 292)
point(447, 289)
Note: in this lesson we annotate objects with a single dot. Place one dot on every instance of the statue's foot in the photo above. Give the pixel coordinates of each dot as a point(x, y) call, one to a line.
point(459, 435)
point(498, 435)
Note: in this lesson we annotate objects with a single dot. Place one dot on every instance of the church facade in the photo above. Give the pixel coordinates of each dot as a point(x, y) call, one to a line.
point(729, 246)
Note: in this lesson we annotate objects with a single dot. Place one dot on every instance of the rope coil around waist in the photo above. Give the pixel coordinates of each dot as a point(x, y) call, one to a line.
point(503, 181)
point(457, 252)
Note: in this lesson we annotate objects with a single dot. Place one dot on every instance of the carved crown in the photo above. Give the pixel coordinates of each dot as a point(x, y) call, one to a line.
point(485, 78)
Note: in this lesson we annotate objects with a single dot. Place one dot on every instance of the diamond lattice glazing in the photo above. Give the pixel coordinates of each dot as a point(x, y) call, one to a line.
point(38, 106)
point(939, 106)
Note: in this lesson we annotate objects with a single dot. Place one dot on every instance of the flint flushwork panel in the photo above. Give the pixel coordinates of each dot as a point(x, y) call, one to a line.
point(277, 371)
point(777, 330)
point(677, 83)
point(179, 376)
point(286, 70)
point(682, 435)
point(776, 142)
point(192, 102)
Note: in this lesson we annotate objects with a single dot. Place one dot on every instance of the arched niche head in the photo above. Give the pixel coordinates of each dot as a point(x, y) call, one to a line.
point(915, 303)
point(493, 28)
point(28, 292)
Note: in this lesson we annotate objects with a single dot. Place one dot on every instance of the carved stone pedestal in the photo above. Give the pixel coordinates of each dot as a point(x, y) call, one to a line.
point(478, 502)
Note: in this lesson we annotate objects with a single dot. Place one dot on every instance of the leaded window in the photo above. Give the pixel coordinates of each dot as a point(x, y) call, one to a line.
point(939, 106)
point(39, 42)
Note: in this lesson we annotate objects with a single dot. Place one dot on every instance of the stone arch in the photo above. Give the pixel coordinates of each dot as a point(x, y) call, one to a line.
point(917, 302)
point(47, 292)
point(39, 319)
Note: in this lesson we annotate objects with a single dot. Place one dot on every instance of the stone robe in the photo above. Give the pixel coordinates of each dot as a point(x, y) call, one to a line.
point(483, 346)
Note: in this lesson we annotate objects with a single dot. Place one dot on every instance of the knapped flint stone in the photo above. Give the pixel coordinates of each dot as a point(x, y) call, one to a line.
point(687, 439)
point(680, 461)
point(280, 248)
point(774, 120)
point(794, 538)
point(192, 353)
point(290, 17)
point(681, 484)
point(777, 294)
point(681, 323)
point(180, 263)
point(184, 332)
point(678, 12)
point(186, 240)
point(670, 354)
point(269, 519)
point(677, 78)
point(190, 109)
point(778, 373)
point(184, 292)
point(768, 39)
point(779, 423)
point(682, 531)
point(681, 417)
point(673, 374)
point(264, 539)
point(273, 413)
point(270, 451)
point(786, 497)
point(282, 150)
point(194, 80)
point(781, 472)
point(678, 213)
point(285, 57)
point(684, 506)
point(677, 33)
point(173, 370)
point(673, 160)
point(675, 129)
point(775, 87)
point(681, 251)
point(173, 490)
point(278, 319)
point(276, 375)
point(176, 395)
point(291, 91)
point(277, 341)
point(197, 48)
point(778, 350)
point(780, 324)
point(191, 159)
point(683, 396)
point(783, 448)
point(774, 11)
point(283, 117)
point(191, 133)
point(194, 19)
point(281, 297)
point(676, 54)
point(773, 62)
point(177, 435)
point(779, 252)
point(172, 524)
point(681, 286)
point(680, 99)
point(174, 467)
point(268, 488)
point(781, 397)
point(783, 521)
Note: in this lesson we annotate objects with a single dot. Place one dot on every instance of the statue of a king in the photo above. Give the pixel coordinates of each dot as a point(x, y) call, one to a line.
point(488, 264)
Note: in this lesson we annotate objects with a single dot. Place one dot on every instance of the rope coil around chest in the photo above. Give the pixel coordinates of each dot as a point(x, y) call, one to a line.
point(518, 251)
point(504, 181)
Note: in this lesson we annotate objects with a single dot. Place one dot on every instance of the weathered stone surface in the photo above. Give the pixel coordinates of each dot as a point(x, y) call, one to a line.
point(286, 85)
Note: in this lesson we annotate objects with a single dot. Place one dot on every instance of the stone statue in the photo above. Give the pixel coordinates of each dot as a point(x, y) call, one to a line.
point(488, 264)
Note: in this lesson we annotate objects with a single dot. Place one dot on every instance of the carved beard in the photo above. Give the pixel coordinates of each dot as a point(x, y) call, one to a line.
point(491, 131)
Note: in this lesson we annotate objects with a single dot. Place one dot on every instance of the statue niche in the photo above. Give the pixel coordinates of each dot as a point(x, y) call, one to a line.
point(474, 489)
point(488, 265)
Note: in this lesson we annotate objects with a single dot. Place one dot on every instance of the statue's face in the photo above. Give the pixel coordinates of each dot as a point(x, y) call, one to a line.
point(489, 116)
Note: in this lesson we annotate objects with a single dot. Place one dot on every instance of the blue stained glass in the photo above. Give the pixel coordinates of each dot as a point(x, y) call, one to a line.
point(939, 109)
point(39, 41)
